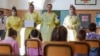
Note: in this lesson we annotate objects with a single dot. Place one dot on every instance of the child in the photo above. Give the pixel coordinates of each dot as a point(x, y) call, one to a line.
point(59, 34)
point(35, 34)
point(92, 34)
point(81, 35)
point(11, 39)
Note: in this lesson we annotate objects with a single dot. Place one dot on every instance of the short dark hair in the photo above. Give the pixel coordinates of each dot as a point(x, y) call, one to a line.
point(59, 34)
point(34, 33)
point(92, 27)
point(81, 34)
point(12, 32)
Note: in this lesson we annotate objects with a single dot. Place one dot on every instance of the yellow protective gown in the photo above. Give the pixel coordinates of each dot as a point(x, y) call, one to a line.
point(72, 21)
point(48, 23)
point(15, 23)
point(31, 16)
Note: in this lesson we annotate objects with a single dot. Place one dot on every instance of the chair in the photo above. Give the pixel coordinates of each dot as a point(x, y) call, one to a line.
point(95, 47)
point(58, 49)
point(5, 49)
point(93, 43)
point(81, 48)
point(32, 43)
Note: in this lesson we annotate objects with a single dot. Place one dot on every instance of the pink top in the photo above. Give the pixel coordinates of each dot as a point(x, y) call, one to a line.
point(34, 51)
point(13, 43)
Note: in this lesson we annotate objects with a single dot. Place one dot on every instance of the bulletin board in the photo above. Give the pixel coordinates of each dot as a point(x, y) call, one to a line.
point(85, 20)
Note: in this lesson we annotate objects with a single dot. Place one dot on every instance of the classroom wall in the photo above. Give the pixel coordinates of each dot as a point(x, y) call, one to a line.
point(6, 11)
point(57, 4)
point(62, 5)
point(4, 4)
point(41, 4)
point(21, 13)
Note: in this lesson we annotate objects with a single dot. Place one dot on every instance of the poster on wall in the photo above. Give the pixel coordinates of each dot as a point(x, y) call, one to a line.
point(97, 19)
point(85, 2)
point(85, 20)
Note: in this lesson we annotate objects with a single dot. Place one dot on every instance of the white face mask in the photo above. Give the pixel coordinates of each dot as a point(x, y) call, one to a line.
point(13, 13)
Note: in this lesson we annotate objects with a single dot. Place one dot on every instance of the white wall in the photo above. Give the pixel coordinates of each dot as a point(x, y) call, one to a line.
point(4, 4)
point(41, 4)
point(64, 5)
point(23, 4)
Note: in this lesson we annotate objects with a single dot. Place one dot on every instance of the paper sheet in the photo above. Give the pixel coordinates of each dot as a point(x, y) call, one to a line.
point(28, 23)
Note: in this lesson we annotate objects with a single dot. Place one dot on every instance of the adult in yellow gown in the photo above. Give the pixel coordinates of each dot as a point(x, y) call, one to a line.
point(14, 22)
point(48, 23)
point(71, 22)
point(31, 15)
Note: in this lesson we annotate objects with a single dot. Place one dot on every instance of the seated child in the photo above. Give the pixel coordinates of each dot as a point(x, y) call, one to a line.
point(11, 39)
point(59, 34)
point(92, 34)
point(35, 34)
point(81, 35)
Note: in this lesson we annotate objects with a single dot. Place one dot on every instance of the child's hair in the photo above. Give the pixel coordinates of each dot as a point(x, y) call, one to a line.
point(82, 35)
point(59, 34)
point(92, 27)
point(36, 34)
point(12, 32)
